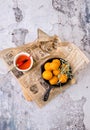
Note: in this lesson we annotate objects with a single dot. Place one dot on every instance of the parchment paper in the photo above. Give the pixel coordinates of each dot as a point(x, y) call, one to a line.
point(45, 47)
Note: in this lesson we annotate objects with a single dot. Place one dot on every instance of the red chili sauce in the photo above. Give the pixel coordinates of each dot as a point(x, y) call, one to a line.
point(20, 62)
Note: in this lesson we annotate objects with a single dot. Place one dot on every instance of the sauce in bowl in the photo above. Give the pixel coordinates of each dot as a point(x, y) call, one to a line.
point(20, 62)
point(23, 61)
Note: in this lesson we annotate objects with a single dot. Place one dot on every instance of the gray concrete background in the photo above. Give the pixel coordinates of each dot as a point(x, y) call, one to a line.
point(70, 20)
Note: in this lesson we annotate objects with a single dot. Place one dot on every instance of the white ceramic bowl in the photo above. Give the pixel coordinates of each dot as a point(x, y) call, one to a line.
point(17, 56)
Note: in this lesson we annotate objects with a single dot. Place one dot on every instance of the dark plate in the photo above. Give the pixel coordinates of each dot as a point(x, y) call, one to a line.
point(62, 61)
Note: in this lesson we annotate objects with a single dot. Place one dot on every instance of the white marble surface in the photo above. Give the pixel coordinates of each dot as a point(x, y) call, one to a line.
point(19, 20)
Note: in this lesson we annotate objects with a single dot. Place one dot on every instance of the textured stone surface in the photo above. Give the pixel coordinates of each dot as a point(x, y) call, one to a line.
point(19, 21)
point(18, 36)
